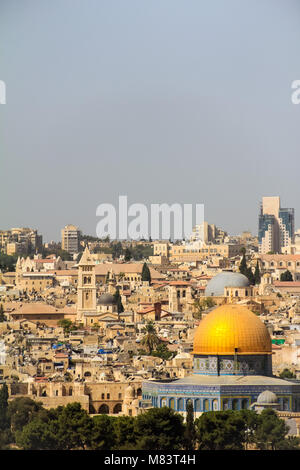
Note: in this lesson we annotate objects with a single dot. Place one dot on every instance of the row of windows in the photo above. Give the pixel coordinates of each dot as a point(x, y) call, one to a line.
point(280, 263)
point(205, 404)
point(200, 404)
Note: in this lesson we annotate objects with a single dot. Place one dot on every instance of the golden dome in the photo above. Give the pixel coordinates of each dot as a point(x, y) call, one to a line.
point(232, 326)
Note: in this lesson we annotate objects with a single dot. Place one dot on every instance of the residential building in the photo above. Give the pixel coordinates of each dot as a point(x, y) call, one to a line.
point(275, 226)
point(70, 236)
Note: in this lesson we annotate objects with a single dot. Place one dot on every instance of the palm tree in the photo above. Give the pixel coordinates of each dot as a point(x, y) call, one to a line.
point(150, 339)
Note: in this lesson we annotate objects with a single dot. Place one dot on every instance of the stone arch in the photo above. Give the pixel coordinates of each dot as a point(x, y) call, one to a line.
point(117, 408)
point(43, 391)
point(104, 409)
point(63, 391)
point(139, 392)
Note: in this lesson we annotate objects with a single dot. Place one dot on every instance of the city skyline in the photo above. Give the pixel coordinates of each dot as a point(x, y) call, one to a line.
point(165, 103)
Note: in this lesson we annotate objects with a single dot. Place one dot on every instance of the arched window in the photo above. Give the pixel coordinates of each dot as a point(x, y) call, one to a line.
point(163, 401)
point(225, 404)
point(244, 404)
point(206, 405)
point(197, 405)
point(172, 403)
point(285, 404)
point(180, 404)
point(215, 405)
point(102, 396)
point(235, 404)
point(236, 293)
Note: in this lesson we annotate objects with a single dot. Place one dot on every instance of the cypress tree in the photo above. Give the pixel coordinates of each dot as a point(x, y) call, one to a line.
point(243, 265)
point(118, 300)
point(4, 421)
point(146, 276)
point(250, 276)
point(257, 275)
point(2, 316)
point(190, 431)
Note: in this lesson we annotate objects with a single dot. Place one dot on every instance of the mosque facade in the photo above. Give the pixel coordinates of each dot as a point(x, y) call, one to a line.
point(232, 368)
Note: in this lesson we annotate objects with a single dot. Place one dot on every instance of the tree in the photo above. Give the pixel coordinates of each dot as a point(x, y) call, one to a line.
point(287, 374)
point(199, 309)
point(4, 419)
point(249, 274)
point(159, 429)
point(286, 276)
point(220, 430)
point(190, 431)
point(65, 324)
point(118, 300)
point(243, 265)
point(2, 316)
point(123, 427)
point(21, 411)
point(271, 430)
point(103, 433)
point(208, 302)
point(117, 250)
point(150, 339)
point(162, 352)
point(74, 427)
point(127, 255)
point(289, 443)
point(250, 418)
point(257, 275)
point(38, 435)
point(8, 262)
point(146, 276)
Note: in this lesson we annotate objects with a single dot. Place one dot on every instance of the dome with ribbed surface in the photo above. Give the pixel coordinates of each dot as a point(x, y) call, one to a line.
point(231, 329)
point(106, 299)
point(267, 398)
point(225, 279)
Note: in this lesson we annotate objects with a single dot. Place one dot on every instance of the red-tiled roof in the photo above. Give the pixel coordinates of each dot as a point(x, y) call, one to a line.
point(287, 283)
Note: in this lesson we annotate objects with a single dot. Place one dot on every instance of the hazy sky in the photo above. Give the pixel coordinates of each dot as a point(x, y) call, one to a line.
point(160, 100)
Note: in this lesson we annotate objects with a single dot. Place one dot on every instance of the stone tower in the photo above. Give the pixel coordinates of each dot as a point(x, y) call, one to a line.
point(86, 290)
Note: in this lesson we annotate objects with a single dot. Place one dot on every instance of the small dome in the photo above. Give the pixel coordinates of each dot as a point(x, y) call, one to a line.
point(106, 299)
point(225, 279)
point(267, 398)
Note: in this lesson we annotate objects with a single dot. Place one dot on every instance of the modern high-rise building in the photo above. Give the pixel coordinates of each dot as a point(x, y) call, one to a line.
point(70, 236)
point(275, 226)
